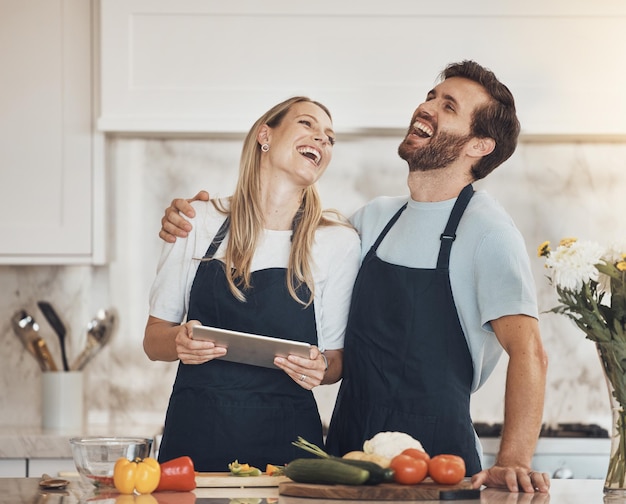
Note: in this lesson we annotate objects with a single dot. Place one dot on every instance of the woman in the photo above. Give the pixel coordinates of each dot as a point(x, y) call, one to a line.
point(291, 268)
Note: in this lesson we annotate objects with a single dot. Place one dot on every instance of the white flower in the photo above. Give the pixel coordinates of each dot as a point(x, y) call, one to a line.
point(615, 252)
point(574, 264)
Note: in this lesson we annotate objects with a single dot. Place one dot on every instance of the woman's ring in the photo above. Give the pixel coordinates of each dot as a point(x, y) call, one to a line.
point(302, 377)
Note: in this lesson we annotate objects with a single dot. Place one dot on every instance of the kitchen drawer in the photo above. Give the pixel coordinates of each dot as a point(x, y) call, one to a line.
point(51, 466)
point(13, 468)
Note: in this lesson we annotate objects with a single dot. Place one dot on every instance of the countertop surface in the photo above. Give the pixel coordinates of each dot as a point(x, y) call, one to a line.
point(26, 491)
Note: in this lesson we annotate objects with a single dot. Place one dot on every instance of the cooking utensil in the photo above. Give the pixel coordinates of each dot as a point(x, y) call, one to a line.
point(49, 483)
point(53, 319)
point(28, 331)
point(23, 326)
point(99, 332)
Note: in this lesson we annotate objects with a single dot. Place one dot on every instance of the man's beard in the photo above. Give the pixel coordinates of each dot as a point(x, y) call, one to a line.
point(443, 150)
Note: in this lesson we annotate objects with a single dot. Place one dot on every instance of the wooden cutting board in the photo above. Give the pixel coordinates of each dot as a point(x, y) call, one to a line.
point(227, 480)
point(427, 490)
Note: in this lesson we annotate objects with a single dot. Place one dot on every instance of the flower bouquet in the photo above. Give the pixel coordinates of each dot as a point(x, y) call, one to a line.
point(590, 281)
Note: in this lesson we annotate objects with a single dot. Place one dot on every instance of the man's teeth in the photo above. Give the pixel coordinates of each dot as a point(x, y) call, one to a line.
point(310, 153)
point(422, 129)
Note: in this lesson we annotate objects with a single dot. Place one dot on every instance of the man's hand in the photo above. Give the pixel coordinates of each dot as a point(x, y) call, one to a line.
point(515, 479)
point(173, 224)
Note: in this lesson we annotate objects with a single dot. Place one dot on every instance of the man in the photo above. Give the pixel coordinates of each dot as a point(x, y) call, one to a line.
point(444, 286)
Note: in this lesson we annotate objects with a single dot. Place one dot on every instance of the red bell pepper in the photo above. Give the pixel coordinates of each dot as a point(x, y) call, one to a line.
point(177, 474)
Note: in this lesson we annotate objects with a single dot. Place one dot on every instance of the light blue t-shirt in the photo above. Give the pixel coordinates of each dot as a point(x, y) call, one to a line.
point(490, 269)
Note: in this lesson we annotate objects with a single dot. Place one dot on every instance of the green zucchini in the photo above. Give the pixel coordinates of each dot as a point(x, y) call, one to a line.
point(377, 474)
point(326, 471)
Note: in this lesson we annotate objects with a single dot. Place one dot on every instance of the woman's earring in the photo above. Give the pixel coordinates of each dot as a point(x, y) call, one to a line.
point(265, 147)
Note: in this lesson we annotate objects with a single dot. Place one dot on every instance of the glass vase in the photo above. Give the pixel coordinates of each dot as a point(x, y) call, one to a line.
point(615, 482)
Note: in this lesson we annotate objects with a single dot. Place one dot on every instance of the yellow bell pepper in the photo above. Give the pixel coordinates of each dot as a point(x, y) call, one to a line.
point(137, 475)
point(136, 499)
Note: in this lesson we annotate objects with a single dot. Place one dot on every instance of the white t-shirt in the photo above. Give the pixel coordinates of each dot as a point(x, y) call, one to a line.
point(335, 255)
point(489, 266)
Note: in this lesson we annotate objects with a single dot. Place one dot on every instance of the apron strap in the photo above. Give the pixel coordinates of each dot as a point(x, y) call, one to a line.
point(387, 228)
point(449, 233)
point(218, 239)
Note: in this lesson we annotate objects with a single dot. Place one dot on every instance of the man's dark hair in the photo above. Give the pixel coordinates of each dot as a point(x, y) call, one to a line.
point(496, 120)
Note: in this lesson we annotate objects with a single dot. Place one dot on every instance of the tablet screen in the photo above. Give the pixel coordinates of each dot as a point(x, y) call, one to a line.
point(249, 348)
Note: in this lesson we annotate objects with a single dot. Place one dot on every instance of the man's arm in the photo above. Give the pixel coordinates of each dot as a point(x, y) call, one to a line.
point(173, 224)
point(523, 407)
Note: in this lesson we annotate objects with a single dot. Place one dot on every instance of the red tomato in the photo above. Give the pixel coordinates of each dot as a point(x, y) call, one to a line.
point(408, 470)
point(446, 469)
point(417, 454)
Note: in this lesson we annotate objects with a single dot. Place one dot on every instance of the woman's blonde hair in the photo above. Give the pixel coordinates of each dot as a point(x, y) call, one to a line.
point(246, 221)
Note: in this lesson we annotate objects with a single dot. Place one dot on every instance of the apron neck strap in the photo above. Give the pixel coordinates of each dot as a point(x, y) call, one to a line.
point(449, 233)
point(221, 233)
point(384, 232)
point(218, 239)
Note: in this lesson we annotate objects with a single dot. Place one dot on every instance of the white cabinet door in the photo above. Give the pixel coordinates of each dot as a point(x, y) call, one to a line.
point(46, 141)
point(191, 66)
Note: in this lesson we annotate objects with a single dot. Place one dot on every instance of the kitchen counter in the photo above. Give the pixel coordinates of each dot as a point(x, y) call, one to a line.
point(26, 491)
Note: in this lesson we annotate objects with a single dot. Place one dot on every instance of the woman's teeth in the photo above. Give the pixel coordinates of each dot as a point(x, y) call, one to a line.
point(310, 153)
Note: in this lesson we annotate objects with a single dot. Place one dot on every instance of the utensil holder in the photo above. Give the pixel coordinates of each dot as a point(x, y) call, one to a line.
point(62, 400)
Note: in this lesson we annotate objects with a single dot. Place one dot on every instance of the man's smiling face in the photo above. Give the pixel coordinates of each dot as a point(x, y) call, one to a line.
point(441, 126)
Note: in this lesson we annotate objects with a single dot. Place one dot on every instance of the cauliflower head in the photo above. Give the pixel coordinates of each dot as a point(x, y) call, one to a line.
point(390, 444)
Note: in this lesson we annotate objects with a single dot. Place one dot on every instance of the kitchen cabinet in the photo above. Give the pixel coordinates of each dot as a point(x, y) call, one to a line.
point(186, 65)
point(51, 187)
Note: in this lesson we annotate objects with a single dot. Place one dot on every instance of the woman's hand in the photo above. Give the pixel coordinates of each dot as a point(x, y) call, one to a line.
point(191, 351)
point(311, 372)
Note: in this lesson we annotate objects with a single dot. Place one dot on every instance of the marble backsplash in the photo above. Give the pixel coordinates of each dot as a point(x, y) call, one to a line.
point(552, 190)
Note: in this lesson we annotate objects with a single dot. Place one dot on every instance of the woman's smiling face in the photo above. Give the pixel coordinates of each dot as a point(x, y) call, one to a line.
point(301, 145)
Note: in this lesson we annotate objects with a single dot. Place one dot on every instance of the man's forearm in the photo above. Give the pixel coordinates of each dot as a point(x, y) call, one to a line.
point(523, 408)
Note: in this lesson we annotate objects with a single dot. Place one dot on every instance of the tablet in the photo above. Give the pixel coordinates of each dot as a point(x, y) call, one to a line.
point(249, 348)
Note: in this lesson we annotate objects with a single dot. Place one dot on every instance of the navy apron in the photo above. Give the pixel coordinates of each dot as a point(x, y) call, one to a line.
point(223, 411)
point(406, 363)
